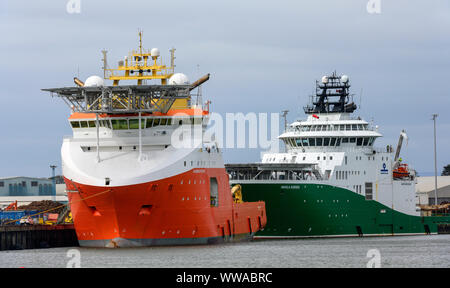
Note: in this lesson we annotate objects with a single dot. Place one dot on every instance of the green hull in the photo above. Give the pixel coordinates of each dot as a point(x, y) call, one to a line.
point(317, 210)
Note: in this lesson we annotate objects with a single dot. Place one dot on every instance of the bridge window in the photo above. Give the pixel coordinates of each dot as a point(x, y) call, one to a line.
point(318, 141)
point(119, 124)
point(75, 124)
point(84, 124)
point(366, 141)
point(326, 141)
point(134, 123)
point(312, 141)
point(352, 140)
point(344, 140)
point(333, 142)
point(359, 141)
point(305, 142)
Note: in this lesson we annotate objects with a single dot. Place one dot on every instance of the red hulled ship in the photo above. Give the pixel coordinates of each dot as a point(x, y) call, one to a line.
point(138, 170)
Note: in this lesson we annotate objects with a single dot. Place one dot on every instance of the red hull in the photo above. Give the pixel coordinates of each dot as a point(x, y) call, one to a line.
point(170, 211)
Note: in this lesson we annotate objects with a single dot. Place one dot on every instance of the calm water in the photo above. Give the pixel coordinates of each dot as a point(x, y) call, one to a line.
point(402, 251)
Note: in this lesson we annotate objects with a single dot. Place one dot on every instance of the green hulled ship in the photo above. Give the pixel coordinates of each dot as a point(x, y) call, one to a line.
point(332, 181)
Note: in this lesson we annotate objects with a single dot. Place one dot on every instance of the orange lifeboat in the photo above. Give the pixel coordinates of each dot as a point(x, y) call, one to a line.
point(401, 171)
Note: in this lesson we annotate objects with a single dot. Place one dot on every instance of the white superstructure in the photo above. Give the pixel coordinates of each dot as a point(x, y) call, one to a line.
point(340, 150)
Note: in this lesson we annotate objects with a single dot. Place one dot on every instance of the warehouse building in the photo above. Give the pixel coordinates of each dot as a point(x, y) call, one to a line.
point(425, 190)
point(25, 186)
point(25, 190)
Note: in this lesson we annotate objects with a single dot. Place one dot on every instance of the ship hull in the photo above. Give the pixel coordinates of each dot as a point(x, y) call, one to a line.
point(317, 210)
point(171, 211)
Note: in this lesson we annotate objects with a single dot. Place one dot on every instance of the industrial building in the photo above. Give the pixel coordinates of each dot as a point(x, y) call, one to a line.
point(425, 190)
point(25, 190)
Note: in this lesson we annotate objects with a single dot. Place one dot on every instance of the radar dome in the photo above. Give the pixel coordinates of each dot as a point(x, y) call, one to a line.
point(94, 81)
point(344, 78)
point(179, 79)
point(324, 79)
point(155, 52)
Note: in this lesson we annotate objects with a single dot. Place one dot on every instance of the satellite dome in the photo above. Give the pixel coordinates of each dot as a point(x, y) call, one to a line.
point(324, 79)
point(179, 79)
point(344, 78)
point(94, 81)
point(155, 52)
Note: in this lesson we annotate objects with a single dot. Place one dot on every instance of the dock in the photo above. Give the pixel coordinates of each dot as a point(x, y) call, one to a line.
point(37, 236)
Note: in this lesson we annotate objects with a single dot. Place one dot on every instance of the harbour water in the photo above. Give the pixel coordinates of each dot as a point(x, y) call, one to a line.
point(400, 251)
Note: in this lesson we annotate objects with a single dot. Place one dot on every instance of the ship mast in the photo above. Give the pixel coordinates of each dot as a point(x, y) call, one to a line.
point(141, 65)
point(332, 96)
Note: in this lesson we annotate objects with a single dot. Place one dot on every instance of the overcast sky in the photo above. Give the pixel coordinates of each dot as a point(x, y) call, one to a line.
point(263, 56)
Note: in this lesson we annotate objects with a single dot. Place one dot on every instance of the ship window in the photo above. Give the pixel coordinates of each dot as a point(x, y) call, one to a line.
point(371, 140)
point(163, 121)
point(369, 194)
point(308, 128)
point(360, 127)
point(342, 127)
point(134, 123)
point(34, 183)
point(107, 124)
point(333, 142)
point(354, 127)
point(298, 142)
point(84, 124)
point(169, 121)
point(344, 140)
point(156, 122)
point(197, 121)
point(318, 128)
point(318, 141)
point(149, 122)
point(91, 124)
point(348, 127)
point(214, 192)
point(305, 142)
point(312, 142)
point(2, 184)
point(326, 141)
point(338, 142)
point(352, 140)
point(366, 141)
point(75, 124)
point(121, 124)
point(359, 141)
